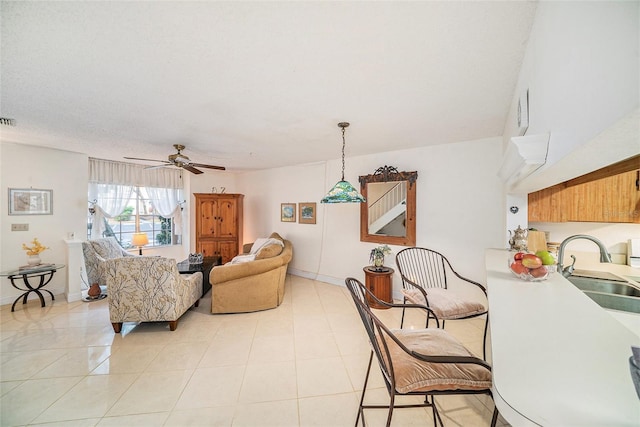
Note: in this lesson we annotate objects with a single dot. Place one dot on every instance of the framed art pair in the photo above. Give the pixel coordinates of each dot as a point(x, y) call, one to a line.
point(306, 213)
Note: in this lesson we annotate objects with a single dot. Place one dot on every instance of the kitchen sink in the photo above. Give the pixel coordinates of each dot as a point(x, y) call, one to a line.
point(612, 294)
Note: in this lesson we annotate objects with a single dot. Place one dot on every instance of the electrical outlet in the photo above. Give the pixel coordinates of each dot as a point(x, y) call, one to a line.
point(19, 227)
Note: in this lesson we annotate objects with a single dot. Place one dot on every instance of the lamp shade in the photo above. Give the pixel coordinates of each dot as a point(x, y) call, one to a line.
point(343, 192)
point(139, 239)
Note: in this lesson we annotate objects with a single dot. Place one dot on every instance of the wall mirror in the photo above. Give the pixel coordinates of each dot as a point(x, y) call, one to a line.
point(389, 214)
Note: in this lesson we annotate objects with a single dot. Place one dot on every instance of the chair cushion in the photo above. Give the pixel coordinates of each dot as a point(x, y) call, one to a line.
point(445, 304)
point(413, 374)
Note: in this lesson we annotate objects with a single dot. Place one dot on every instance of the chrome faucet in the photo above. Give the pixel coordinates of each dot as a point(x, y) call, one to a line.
point(566, 271)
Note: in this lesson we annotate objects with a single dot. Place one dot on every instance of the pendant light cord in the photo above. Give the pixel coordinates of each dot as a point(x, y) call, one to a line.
point(343, 145)
point(343, 126)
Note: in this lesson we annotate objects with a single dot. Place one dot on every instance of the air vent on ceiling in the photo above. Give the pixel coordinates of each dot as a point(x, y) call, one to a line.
point(7, 122)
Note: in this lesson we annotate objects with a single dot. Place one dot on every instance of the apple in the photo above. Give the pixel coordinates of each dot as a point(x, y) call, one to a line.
point(538, 272)
point(531, 261)
point(518, 268)
point(546, 257)
point(518, 256)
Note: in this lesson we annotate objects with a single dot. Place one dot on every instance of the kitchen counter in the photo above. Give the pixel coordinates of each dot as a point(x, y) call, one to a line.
point(558, 357)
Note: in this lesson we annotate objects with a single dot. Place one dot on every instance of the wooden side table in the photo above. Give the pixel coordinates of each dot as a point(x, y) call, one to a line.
point(380, 284)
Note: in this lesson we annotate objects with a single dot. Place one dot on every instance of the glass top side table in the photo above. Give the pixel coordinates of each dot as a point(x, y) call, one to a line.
point(44, 273)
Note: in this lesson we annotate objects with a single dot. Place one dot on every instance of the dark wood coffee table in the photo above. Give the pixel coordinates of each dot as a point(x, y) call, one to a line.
point(205, 268)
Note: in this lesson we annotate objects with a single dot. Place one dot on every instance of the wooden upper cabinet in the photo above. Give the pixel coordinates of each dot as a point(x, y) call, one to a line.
point(595, 197)
point(612, 199)
point(548, 205)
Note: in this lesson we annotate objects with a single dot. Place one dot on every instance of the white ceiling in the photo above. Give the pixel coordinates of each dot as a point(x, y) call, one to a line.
point(258, 84)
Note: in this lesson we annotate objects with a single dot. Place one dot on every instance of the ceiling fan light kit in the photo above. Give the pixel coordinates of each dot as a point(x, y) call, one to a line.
point(179, 160)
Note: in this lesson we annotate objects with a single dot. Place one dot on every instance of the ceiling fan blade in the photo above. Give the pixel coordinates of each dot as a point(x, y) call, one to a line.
point(156, 167)
point(147, 160)
point(200, 165)
point(192, 169)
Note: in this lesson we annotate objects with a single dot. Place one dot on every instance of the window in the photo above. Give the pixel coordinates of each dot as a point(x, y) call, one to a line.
point(125, 198)
point(139, 215)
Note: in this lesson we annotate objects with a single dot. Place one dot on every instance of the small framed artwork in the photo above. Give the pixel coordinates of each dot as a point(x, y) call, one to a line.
point(30, 201)
point(288, 212)
point(307, 214)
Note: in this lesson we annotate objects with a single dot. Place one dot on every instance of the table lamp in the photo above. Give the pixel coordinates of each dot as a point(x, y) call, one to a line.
point(139, 240)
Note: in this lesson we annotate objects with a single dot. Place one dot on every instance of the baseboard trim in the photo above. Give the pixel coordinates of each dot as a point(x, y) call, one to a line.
point(316, 276)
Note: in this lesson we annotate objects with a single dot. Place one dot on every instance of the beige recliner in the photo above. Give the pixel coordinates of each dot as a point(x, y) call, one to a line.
point(254, 285)
point(149, 289)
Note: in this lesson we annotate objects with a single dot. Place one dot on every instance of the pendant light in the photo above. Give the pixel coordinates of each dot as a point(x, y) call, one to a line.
point(343, 192)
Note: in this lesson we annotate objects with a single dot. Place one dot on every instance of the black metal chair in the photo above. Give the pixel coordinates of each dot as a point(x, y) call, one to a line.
point(424, 362)
point(425, 277)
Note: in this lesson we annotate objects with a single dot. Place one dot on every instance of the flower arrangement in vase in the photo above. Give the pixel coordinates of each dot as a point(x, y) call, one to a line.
point(377, 256)
point(33, 252)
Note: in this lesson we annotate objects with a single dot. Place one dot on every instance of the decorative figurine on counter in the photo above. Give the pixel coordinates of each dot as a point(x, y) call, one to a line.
point(518, 240)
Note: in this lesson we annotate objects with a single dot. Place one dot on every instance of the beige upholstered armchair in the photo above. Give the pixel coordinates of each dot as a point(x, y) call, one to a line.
point(96, 252)
point(149, 289)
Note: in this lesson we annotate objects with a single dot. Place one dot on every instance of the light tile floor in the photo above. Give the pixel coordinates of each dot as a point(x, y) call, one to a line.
point(302, 364)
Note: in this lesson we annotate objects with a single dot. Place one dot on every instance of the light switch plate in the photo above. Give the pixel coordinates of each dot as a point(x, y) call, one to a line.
point(19, 227)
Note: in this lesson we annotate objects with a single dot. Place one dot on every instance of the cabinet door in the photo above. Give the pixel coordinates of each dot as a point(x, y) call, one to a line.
point(548, 205)
point(227, 219)
point(227, 249)
point(611, 199)
point(208, 218)
point(207, 248)
point(625, 207)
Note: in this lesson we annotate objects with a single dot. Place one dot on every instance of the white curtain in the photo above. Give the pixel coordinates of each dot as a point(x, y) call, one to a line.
point(111, 172)
point(166, 202)
point(111, 184)
point(110, 201)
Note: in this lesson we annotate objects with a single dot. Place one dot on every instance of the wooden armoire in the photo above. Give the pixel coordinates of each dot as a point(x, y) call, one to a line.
point(219, 224)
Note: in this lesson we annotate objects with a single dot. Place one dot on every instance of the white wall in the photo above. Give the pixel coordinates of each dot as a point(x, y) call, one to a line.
point(459, 208)
point(581, 67)
point(66, 173)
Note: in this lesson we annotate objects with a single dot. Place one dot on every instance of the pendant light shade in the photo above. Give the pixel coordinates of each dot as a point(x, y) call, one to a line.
point(343, 192)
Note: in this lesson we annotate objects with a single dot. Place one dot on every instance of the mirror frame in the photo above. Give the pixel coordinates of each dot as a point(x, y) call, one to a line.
point(386, 174)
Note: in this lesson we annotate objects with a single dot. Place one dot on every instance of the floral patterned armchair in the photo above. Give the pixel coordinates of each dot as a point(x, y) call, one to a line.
point(96, 252)
point(149, 289)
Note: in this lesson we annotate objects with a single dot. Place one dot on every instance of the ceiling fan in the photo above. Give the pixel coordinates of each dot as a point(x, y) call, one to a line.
point(180, 160)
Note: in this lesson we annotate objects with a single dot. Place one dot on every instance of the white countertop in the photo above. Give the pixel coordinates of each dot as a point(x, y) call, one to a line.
point(559, 359)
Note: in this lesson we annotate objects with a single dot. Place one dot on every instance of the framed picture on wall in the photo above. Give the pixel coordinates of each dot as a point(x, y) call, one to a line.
point(288, 212)
point(29, 201)
point(307, 214)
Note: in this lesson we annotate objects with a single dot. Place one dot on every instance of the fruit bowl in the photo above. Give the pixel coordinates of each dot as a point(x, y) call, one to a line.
point(527, 276)
point(530, 267)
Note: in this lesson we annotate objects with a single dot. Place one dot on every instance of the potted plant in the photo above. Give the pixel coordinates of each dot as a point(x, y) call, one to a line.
point(33, 252)
point(377, 256)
